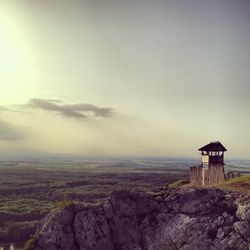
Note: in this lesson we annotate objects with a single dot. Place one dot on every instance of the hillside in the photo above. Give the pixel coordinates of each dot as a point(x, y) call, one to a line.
point(187, 219)
point(240, 184)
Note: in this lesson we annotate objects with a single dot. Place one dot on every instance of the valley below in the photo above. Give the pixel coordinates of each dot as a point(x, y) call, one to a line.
point(30, 190)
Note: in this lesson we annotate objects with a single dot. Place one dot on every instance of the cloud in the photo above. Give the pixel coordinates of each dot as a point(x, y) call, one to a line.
point(9, 132)
point(79, 110)
point(12, 108)
point(3, 108)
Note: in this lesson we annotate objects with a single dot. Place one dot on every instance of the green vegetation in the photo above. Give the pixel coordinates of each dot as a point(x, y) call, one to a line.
point(63, 204)
point(28, 191)
point(239, 184)
point(17, 231)
point(179, 183)
point(30, 244)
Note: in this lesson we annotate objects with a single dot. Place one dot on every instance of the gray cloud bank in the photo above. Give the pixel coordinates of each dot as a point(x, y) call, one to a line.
point(79, 110)
point(9, 132)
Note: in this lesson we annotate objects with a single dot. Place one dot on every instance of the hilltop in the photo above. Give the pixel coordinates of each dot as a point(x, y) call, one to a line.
point(240, 184)
point(166, 218)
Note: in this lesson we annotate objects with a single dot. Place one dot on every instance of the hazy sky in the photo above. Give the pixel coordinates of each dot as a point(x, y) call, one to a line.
point(110, 77)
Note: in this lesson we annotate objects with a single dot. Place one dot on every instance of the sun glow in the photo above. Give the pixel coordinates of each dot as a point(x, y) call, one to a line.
point(11, 52)
point(17, 66)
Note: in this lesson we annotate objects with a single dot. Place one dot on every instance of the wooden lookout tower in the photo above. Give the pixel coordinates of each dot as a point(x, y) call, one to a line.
point(211, 170)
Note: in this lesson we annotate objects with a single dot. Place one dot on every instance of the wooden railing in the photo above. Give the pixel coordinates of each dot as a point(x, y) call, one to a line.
point(232, 174)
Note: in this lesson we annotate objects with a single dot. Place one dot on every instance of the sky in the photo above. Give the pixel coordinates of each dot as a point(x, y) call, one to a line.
point(124, 78)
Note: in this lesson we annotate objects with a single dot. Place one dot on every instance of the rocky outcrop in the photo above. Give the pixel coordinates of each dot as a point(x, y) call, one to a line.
point(195, 219)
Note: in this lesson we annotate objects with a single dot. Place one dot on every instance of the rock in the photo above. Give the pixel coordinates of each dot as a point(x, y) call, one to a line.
point(55, 232)
point(108, 210)
point(67, 215)
point(170, 219)
point(92, 231)
point(243, 228)
point(243, 212)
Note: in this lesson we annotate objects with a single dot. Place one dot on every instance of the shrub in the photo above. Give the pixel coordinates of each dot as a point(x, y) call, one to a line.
point(30, 244)
point(63, 204)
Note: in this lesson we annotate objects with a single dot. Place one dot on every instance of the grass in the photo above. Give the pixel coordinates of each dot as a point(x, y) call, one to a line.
point(240, 184)
point(180, 183)
point(63, 204)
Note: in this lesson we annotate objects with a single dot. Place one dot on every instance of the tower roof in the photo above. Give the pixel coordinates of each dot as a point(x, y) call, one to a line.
point(213, 146)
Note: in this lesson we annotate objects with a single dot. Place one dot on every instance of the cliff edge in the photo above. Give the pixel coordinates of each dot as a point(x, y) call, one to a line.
point(190, 219)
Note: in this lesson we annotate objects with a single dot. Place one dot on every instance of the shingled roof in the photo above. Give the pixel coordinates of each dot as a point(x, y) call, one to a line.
point(213, 146)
